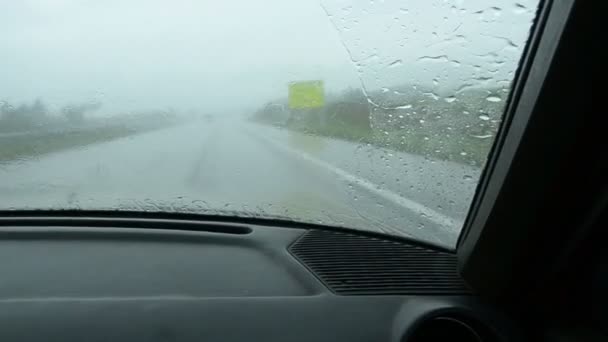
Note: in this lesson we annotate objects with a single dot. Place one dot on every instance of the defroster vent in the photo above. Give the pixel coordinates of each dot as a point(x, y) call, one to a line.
point(360, 265)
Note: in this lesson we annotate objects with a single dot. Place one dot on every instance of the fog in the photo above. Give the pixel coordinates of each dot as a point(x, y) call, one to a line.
point(185, 106)
point(231, 56)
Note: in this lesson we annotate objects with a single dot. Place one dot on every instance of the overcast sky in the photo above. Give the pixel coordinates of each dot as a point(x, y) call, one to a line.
point(232, 55)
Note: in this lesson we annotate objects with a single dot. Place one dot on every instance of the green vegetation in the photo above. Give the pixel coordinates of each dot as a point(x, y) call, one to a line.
point(32, 145)
point(457, 127)
point(30, 130)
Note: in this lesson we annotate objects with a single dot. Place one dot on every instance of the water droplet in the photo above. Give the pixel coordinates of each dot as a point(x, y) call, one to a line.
point(467, 177)
point(519, 9)
point(455, 63)
point(407, 106)
point(496, 11)
point(450, 99)
point(493, 98)
point(432, 95)
point(440, 58)
point(484, 117)
point(396, 63)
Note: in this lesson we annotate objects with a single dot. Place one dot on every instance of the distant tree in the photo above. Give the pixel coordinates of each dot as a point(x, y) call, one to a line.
point(272, 112)
point(5, 109)
point(22, 117)
point(75, 114)
point(38, 109)
point(350, 108)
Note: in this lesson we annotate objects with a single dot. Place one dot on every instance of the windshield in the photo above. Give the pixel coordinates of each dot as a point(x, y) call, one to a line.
point(366, 114)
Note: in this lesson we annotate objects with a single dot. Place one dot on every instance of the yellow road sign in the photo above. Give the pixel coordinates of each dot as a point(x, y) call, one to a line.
point(306, 94)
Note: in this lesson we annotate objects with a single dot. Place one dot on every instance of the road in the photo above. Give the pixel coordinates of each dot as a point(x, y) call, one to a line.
point(233, 166)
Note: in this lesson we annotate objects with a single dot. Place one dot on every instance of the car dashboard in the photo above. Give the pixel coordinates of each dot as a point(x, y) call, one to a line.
point(81, 280)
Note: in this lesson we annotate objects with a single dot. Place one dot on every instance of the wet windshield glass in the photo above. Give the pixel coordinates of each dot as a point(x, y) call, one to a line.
point(366, 114)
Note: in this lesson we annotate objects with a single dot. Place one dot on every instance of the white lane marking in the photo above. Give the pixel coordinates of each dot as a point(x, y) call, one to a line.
point(420, 209)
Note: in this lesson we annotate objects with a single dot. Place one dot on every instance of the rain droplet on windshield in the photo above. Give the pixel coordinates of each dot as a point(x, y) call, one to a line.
point(396, 63)
point(484, 136)
point(519, 8)
point(407, 106)
point(493, 98)
point(440, 58)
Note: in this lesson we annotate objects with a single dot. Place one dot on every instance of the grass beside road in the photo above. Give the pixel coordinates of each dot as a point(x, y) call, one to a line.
point(33, 145)
point(457, 147)
point(457, 126)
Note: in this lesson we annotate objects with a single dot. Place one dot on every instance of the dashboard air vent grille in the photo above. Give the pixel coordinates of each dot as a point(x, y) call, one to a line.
point(360, 265)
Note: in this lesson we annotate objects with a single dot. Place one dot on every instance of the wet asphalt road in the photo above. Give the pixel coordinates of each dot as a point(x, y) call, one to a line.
point(226, 166)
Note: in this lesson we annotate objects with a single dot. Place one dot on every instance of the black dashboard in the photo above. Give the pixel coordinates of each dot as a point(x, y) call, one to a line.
point(62, 283)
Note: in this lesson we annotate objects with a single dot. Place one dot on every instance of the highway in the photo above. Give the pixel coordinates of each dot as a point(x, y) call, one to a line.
point(230, 166)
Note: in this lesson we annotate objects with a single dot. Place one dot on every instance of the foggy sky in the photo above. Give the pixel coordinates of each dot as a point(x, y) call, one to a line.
point(232, 55)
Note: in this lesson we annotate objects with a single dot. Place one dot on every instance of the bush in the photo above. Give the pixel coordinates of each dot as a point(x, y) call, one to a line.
point(456, 127)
